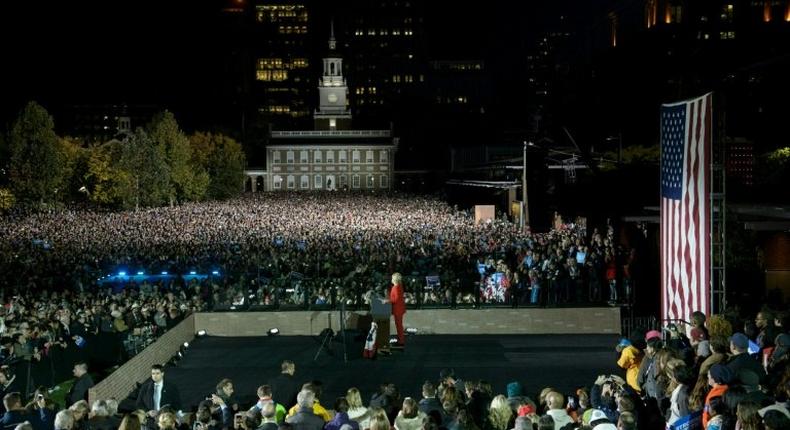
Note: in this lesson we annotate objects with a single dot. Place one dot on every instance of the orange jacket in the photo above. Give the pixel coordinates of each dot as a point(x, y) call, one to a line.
point(716, 391)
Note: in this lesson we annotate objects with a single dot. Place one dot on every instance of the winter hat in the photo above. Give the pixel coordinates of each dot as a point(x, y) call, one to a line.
point(651, 334)
point(740, 340)
point(514, 389)
point(721, 374)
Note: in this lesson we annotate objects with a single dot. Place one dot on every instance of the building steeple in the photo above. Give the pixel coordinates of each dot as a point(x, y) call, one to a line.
point(332, 43)
point(332, 112)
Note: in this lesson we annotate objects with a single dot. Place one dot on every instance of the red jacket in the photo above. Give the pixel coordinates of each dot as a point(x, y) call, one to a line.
point(396, 298)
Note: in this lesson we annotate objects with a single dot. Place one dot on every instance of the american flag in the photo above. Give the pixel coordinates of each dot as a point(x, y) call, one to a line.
point(685, 207)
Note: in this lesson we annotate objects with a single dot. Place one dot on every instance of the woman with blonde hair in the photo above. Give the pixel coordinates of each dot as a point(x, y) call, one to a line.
point(166, 421)
point(378, 420)
point(500, 414)
point(80, 410)
point(410, 416)
point(356, 410)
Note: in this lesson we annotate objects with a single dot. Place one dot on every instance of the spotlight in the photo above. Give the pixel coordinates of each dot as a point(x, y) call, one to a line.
point(411, 330)
point(215, 272)
point(201, 333)
point(273, 331)
point(192, 272)
point(164, 273)
point(141, 273)
point(186, 344)
point(121, 273)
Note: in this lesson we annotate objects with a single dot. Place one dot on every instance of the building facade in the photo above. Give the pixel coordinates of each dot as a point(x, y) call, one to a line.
point(332, 156)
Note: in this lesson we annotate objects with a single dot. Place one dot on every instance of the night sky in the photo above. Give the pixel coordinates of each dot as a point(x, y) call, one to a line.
point(168, 52)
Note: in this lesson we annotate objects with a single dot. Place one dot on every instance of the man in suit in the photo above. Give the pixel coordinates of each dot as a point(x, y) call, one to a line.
point(156, 392)
point(79, 391)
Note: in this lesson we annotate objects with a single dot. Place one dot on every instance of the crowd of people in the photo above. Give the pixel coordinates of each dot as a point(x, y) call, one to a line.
point(318, 249)
point(717, 374)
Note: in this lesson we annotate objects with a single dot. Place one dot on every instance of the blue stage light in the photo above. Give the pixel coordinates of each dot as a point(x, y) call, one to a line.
point(164, 273)
point(192, 272)
point(121, 273)
point(215, 272)
point(140, 273)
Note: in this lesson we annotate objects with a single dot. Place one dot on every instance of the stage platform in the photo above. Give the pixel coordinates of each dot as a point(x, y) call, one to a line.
point(559, 320)
point(537, 361)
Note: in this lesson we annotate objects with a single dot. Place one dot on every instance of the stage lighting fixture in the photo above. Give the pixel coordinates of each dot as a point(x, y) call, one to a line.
point(141, 273)
point(201, 333)
point(164, 273)
point(411, 330)
point(186, 344)
point(192, 272)
point(215, 272)
point(121, 273)
point(274, 331)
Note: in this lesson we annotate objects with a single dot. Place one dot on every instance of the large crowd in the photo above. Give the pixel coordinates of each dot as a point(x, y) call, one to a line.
point(58, 319)
point(720, 373)
point(314, 249)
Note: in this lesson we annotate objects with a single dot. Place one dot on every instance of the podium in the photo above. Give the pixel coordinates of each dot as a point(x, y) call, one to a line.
point(381, 312)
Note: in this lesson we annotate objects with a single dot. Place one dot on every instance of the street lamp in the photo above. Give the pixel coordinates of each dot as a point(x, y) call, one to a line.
point(524, 206)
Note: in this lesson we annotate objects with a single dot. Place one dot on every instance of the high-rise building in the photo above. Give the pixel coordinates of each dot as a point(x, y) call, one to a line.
point(281, 52)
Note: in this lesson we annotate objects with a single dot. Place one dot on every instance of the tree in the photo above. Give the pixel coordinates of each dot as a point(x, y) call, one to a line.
point(7, 199)
point(187, 180)
point(148, 173)
point(223, 159)
point(35, 163)
point(105, 182)
point(74, 159)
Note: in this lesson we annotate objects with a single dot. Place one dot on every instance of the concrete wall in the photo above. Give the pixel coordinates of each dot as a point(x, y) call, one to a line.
point(427, 321)
point(121, 382)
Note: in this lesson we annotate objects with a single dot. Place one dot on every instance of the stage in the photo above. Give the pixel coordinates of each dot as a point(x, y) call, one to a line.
point(559, 360)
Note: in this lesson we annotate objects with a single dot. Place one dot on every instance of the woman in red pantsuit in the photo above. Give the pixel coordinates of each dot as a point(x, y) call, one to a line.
point(398, 306)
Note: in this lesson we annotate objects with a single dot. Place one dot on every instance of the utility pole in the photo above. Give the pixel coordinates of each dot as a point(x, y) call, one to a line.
point(524, 206)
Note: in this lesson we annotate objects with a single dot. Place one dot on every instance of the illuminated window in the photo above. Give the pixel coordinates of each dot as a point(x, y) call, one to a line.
point(355, 156)
point(317, 182)
point(395, 32)
point(355, 181)
point(279, 75)
point(383, 32)
point(360, 90)
point(673, 14)
point(330, 156)
point(371, 32)
point(383, 156)
point(304, 182)
point(289, 157)
point(383, 181)
point(291, 182)
point(278, 182)
point(343, 180)
point(369, 156)
point(299, 63)
point(408, 78)
point(341, 156)
point(372, 90)
point(395, 78)
point(727, 35)
point(276, 156)
point(407, 32)
point(727, 13)
point(317, 158)
point(303, 157)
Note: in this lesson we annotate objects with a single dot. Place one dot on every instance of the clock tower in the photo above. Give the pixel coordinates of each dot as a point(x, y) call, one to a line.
point(332, 112)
